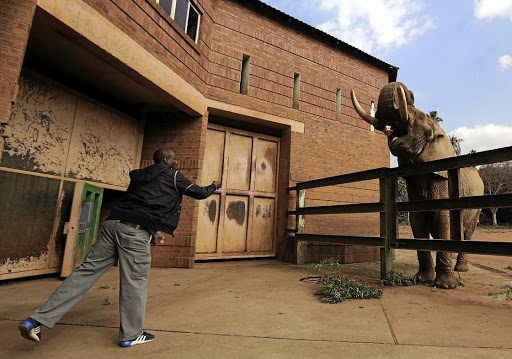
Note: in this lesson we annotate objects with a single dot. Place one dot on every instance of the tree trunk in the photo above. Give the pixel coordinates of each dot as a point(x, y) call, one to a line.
point(494, 220)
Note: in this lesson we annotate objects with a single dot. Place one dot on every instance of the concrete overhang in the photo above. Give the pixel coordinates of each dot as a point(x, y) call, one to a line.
point(77, 46)
point(253, 117)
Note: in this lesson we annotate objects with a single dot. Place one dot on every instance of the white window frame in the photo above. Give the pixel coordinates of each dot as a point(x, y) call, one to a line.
point(189, 4)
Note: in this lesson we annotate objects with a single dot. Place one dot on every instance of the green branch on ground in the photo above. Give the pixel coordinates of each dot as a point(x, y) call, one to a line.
point(505, 293)
point(399, 279)
point(337, 289)
point(328, 266)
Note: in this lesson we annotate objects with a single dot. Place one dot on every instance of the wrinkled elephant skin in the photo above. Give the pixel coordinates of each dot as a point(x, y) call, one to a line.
point(415, 138)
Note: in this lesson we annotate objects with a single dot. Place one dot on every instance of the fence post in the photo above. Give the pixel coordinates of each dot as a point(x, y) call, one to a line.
point(456, 226)
point(388, 222)
point(300, 224)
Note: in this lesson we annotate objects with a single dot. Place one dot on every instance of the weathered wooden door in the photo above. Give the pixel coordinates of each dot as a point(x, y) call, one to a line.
point(82, 228)
point(239, 219)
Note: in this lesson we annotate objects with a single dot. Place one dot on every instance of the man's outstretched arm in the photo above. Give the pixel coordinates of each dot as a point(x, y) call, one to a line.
point(192, 190)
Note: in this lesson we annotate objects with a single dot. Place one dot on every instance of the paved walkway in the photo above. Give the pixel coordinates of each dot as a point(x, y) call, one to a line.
point(261, 309)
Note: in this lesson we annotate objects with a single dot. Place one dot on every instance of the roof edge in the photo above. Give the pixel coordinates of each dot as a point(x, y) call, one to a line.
point(279, 16)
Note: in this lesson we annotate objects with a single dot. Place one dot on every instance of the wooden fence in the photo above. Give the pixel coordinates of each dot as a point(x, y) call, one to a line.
point(388, 207)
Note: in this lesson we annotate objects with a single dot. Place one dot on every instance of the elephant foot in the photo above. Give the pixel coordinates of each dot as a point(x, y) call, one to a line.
point(425, 275)
point(445, 281)
point(461, 267)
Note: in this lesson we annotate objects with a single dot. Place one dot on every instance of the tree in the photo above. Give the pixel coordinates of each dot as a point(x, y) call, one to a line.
point(403, 217)
point(497, 179)
point(456, 144)
point(433, 116)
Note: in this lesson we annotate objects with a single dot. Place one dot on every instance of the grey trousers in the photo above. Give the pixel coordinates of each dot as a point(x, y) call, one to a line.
point(117, 241)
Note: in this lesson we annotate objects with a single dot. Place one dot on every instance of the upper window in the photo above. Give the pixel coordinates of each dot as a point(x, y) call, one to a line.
point(185, 14)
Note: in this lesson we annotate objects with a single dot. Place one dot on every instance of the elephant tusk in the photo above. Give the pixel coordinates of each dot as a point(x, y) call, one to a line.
point(365, 116)
point(402, 104)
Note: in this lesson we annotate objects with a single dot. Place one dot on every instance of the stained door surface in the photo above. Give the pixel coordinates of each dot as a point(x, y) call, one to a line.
point(55, 137)
point(239, 219)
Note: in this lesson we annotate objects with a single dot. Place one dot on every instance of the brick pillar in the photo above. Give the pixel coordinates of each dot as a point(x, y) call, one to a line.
point(16, 18)
point(186, 136)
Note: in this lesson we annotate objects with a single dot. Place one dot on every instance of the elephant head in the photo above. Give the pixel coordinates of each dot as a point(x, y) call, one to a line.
point(412, 135)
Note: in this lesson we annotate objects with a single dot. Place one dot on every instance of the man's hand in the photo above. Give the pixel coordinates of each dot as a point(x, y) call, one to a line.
point(217, 184)
point(158, 238)
point(388, 131)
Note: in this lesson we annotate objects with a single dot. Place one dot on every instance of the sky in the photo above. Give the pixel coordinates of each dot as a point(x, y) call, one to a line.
point(456, 55)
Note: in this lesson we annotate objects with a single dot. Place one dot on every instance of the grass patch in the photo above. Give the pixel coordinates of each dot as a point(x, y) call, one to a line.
point(328, 266)
point(337, 289)
point(505, 293)
point(395, 279)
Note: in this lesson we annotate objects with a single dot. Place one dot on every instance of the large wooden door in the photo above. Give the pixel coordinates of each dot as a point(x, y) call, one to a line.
point(239, 219)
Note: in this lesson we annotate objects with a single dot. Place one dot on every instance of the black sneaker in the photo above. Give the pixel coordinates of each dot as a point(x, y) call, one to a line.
point(141, 339)
point(30, 331)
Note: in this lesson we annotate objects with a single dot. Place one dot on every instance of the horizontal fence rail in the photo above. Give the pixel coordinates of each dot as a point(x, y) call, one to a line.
point(341, 179)
point(471, 160)
point(471, 247)
point(342, 208)
point(357, 240)
point(489, 201)
point(388, 207)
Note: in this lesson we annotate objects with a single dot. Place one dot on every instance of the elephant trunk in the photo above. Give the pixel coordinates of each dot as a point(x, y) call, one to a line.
point(365, 116)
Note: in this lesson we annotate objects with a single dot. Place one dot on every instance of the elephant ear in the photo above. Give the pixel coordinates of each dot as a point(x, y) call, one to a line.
point(438, 144)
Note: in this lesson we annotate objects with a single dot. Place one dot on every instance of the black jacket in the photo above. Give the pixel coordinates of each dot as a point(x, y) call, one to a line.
point(152, 200)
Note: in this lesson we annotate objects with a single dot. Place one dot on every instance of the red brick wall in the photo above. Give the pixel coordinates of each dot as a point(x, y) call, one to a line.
point(230, 29)
point(327, 147)
point(15, 22)
point(186, 137)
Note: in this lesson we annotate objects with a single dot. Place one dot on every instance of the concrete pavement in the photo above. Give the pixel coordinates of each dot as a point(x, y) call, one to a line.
point(261, 309)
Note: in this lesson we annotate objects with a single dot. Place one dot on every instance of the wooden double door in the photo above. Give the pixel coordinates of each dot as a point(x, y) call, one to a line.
point(239, 219)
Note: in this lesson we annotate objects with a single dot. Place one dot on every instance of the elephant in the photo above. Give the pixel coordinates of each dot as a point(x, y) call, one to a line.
point(415, 138)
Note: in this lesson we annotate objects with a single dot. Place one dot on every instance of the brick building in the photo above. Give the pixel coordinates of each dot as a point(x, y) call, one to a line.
point(241, 91)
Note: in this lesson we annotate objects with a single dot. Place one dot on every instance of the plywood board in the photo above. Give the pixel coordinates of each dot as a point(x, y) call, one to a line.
point(27, 207)
point(103, 146)
point(266, 163)
point(39, 129)
point(206, 241)
point(213, 157)
point(234, 231)
point(239, 159)
point(262, 233)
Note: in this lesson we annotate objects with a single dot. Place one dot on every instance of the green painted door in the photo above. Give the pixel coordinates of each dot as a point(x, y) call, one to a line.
point(82, 226)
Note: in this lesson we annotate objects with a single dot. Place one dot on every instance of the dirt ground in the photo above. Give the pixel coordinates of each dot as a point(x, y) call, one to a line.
point(497, 269)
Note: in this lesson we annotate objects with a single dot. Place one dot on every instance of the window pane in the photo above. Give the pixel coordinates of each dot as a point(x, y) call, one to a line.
point(180, 16)
point(166, 4)
point(193, 18)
